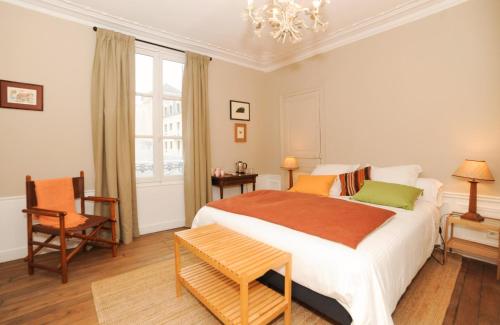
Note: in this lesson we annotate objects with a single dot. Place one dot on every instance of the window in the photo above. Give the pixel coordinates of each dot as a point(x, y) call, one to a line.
point(158, 109)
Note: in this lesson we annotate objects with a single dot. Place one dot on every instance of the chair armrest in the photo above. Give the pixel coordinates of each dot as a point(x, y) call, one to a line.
point(45, 212)
point(101, 199)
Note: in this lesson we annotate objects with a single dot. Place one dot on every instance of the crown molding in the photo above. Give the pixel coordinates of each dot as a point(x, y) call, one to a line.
point(405, 13)
point(68, 10)
point(398, 16)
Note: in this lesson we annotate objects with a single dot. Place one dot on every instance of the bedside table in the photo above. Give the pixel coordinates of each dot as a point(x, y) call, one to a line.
point(234, 179)
point(468, 246)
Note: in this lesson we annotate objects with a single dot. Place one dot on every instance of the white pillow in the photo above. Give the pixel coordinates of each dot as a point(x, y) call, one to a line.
point(405, 175)
point(334, 169)
point(432, 190)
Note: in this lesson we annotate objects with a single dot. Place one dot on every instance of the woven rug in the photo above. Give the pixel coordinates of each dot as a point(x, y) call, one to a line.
point(147, 296)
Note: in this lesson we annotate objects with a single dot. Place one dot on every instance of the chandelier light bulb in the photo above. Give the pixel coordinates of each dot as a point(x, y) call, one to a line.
point(287, 19)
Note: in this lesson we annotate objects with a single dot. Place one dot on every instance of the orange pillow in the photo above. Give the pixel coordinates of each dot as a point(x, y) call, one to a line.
point(314, 184)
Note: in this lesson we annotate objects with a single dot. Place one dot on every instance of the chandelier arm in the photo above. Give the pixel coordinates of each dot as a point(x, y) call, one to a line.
point(287, 18)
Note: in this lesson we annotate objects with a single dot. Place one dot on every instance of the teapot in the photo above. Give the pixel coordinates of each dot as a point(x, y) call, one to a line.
point(240, 167)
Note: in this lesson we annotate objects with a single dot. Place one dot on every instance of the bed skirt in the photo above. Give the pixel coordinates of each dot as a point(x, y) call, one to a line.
point(328, 307)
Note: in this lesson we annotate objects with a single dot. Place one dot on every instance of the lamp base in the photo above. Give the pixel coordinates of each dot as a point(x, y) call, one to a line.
point(290, 178)
point(472, 216)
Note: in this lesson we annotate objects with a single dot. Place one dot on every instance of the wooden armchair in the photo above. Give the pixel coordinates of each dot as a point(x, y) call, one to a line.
point(93, 224)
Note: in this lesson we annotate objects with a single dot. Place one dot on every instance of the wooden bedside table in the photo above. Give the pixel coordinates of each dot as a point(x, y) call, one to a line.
point(468, 246)
point(234, 179)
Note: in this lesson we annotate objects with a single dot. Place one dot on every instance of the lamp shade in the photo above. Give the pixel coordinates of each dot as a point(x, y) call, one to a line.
point(290, 163)
point(474, 169)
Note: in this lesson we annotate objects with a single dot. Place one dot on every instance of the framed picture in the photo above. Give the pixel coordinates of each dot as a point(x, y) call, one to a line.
point(20, 95)
point(239, 110)
point(240, 132)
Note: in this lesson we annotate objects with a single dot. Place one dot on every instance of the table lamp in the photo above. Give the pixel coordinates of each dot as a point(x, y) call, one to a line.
point(290, 163)
point(474, 171)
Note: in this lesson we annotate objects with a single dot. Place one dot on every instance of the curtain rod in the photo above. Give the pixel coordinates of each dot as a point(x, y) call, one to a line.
point(155, 44)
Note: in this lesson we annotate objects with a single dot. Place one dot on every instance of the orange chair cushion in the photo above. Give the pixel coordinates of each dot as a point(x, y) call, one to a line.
point(57, 194)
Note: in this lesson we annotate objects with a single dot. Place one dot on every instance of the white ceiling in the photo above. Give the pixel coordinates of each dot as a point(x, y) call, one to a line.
point(217, 27)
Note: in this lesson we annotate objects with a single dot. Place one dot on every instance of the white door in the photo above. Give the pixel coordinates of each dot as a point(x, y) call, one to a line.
point(301, 128)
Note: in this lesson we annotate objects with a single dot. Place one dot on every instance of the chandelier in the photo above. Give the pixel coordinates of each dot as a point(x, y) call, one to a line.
point(287, 19)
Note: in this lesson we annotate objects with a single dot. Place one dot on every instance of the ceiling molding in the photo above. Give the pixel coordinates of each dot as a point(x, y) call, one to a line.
point(69, 10)
point(398, 16)
point(405, 13)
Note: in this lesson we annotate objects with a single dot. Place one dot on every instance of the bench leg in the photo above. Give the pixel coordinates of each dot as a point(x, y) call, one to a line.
point(178, 285)
point(244, 303)
point(288, 293)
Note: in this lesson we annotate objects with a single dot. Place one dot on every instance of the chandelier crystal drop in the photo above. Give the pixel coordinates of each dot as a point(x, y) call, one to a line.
point(287, 18)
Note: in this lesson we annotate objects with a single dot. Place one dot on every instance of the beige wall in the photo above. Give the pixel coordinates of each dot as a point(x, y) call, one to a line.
point(427, 92)
point(231, 82)
point(58, 142)
point(57, 54)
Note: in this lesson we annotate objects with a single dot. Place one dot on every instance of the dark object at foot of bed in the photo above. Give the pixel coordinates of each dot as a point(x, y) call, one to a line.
point(328, 307)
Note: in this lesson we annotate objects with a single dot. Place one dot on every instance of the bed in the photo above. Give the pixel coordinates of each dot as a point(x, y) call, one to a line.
point(366, 282)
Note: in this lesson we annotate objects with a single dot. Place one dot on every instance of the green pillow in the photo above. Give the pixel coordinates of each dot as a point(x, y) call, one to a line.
point(389, 194)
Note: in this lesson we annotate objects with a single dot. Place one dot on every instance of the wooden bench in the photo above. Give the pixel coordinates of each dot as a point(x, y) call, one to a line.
point(225, 280)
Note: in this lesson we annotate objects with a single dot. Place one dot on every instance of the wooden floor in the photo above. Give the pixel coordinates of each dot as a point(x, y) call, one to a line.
point(42, 299)
point(476, 298)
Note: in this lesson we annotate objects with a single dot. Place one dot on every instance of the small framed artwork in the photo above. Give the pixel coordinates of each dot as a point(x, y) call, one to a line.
point(239, 110)
point(240, 132)
point(20, 95)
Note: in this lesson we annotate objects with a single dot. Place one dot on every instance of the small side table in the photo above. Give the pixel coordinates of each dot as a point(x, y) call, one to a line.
point(234, 179)
point(469, 246)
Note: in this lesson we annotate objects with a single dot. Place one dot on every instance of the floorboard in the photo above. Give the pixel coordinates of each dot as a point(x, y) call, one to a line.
point(42, 299)
point(476, 297)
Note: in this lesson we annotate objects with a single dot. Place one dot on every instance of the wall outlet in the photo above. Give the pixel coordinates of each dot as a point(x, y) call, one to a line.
point(492, 234)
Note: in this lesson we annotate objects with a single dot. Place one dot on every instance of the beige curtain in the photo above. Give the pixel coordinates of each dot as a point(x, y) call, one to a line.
point(196, 136)
point(113, 126)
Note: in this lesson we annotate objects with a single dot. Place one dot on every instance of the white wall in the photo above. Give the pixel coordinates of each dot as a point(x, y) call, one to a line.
point(160, 207)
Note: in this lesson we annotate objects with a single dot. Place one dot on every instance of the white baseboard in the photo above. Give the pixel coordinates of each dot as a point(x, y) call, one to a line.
point(171, 224)
point(12, 254)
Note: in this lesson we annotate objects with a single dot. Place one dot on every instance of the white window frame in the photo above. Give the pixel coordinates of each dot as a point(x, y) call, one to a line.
point(158, 55)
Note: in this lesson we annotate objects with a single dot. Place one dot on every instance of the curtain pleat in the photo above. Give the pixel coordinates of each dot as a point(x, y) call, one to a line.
point(113, 127)
point(196, 136)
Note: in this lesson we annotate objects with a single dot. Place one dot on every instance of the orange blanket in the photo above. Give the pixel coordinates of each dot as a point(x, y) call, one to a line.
point(57, 194)
point(337, 220)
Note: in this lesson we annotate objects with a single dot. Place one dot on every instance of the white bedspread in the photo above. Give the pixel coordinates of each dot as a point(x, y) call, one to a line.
point(367, 281)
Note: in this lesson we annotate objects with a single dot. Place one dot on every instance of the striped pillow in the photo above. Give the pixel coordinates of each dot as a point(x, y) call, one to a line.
point(351, 183)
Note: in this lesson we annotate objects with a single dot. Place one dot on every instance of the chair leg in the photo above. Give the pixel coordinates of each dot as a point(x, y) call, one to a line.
point(64, 261)
point(31, 269)
point(84, 249)
point(112, 215)
point(114, 247)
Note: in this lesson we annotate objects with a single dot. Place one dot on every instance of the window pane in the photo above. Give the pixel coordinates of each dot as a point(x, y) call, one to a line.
point(143, 73)
point(172, 78)
point(143, 115)
point(144, 157)
point(173, 163)
point(172, 118)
